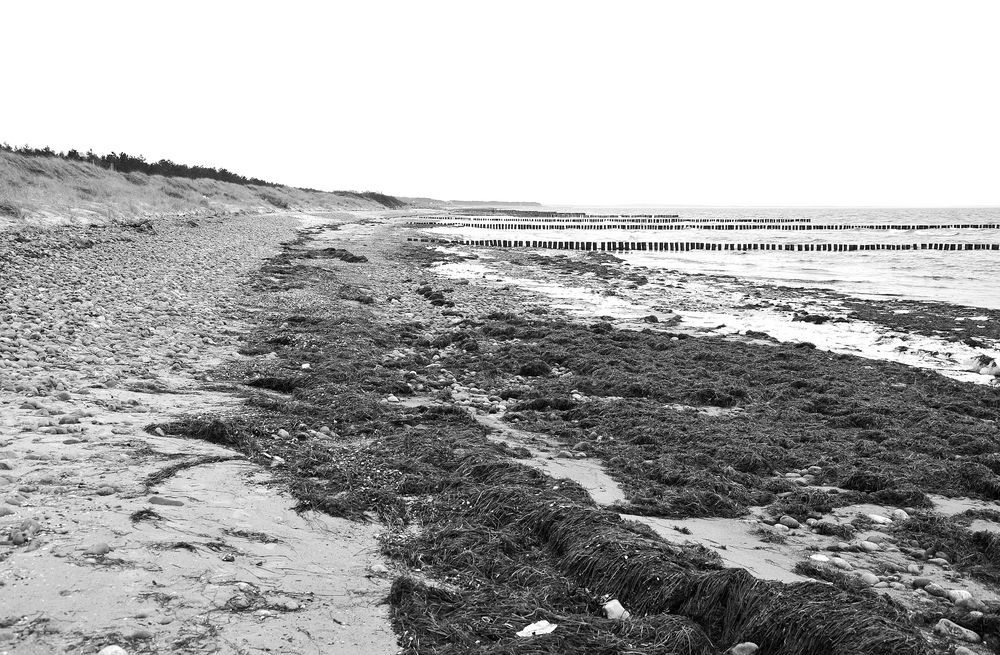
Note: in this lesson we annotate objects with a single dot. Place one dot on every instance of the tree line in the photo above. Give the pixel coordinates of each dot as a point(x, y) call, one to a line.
point(126, 163)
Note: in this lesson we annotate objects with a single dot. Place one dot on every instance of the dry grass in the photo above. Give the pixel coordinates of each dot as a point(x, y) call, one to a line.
point(49, 190)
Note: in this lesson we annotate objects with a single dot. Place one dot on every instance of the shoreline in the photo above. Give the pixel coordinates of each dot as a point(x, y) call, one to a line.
point(375, 388)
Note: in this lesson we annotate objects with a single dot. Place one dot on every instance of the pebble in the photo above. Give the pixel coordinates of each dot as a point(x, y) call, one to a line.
point(951, 629)
point(869, 546)
point(841, 563)
point(878, 518)
point(958, 596)
point(745, 648)
point(613, 610)
point(920, 583)
point(788, 522)
point(899, 515)
point(159, 500)
point(819, 558)
point(913, 569)
point(98, 549)
point(868, 578)
point(112, 650)
point(934, 589)
point(940, 561)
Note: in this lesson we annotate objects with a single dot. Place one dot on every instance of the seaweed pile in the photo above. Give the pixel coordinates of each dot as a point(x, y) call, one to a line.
point(887, 432)
point(489, 545)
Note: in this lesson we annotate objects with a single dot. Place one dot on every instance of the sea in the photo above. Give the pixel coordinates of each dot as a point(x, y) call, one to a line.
point(968, 277)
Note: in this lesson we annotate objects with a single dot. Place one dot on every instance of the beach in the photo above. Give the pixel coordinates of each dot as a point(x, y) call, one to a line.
point(506, 435)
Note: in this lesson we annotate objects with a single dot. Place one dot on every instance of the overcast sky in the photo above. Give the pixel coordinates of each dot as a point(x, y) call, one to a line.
point(758, 103)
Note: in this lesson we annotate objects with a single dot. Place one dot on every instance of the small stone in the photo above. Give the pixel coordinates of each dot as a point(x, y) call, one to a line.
point(283, 433)
point(745, 648)
point(878, 518)
point(869, 546)
point(780, 528)
point(378, 568)
point(920, 583)
point(962, 650)
point(613, 610)
point(819, 558)
point(142, 634)
point(105, 491)
point(934, 589)
point(958, 595)
point(392, 398)
point(841, 563)
point(239, 602)
point(939, 561)
point(159, 500)
point(868, 578)
point(913, 569)
point(98, 549)
point(5, 465)
point(228, 557)
point(788, 522)
point(951, 629)
point(565, 454)
point(112, 650)
point(898, 586)
point(899, 515)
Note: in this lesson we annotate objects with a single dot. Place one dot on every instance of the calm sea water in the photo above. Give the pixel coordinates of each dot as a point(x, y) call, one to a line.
point(961, 277)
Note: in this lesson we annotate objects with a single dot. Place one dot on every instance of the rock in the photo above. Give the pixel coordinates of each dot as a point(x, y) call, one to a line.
point(934, 589)
point(819, 558)
point(238, 602)
point(614, 610)
point(868, 578)
point(920, 583)
point(105, 491)
point(899, 515)
point(939, 561)
point(378, 568)
point(958, 595)
point(283, 433)
point(170, 502)
point(5, 465)
point(112, 650)
point(392, 399)
point(780, 528)
point(878, 518)
point(869, 546)
point(745, 648)
point(5, 511)
point(841, 563)
point(962, 650)
point(141, 634)
point(955, 631)
point(98, 550)
point(913, 569)
point(788, 522)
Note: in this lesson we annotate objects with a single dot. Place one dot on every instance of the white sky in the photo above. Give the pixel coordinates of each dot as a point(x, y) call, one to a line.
point(762, 103)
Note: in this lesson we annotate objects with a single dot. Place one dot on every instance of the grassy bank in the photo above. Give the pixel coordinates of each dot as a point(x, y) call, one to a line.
point(49, 190)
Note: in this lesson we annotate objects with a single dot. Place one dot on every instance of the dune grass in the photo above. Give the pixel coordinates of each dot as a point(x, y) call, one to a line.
point(38, 191)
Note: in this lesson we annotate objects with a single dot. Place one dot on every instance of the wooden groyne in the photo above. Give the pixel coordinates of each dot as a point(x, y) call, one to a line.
point(666, 226)
point(685, 246)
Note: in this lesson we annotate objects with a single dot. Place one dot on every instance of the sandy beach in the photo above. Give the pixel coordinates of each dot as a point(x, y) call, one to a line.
point(305, 433)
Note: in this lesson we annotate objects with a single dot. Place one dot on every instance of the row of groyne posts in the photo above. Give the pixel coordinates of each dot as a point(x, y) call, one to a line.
point(685, 246)
point(535, 221)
